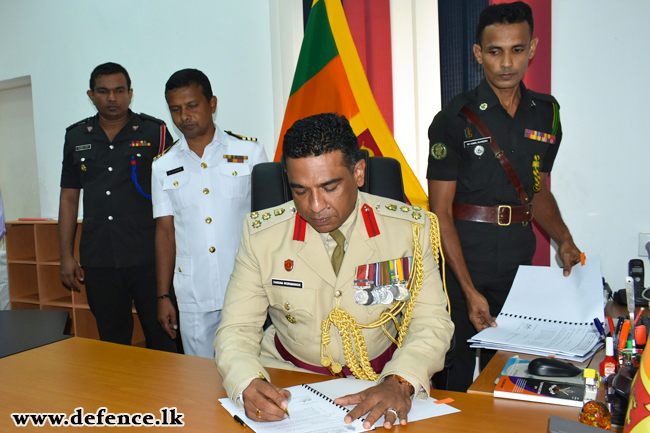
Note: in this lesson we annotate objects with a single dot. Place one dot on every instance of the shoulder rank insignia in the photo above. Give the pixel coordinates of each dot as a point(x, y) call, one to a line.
point(369, 219)
point(299, 229)
point(81, 122)
point(165, 151)
point(241, 137)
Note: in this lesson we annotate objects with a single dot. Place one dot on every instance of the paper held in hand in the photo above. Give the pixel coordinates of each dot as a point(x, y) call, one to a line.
point(547, 313)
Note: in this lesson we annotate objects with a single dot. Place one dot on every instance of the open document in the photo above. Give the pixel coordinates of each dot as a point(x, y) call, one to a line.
point(547, 313)
point(313, 410)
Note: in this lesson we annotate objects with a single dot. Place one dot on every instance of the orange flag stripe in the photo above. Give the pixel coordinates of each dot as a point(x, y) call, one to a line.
point(316, 96)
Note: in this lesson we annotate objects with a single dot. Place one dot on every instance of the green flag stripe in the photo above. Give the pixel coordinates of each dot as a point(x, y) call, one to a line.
point(318, 47)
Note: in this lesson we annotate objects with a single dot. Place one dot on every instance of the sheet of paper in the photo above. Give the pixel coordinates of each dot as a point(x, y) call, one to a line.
point(309, 414)
point(544, 292)
point(420, 409)
point(549, 314)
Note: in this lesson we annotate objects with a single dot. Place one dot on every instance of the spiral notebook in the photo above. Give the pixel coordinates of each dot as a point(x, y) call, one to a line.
point(547, 313)
point(313, 410)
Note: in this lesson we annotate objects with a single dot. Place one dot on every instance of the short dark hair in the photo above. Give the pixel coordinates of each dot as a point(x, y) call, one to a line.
point(320, 134)
point(187, 77)
point(108, 69)
point(504, 13)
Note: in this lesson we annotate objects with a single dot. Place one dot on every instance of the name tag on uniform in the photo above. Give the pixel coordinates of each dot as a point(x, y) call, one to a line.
point(174, 171)
point(82, 147)
point(477, 141)
point(286, 283)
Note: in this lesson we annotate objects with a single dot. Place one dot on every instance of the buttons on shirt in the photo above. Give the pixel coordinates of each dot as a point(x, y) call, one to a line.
point(175, 183)
point(206, 191)
point(111, 147)
point(337, 294)
point(108, 193)
point(110, 168)
point(83, 159)
point(208, 220)
point(180, 270)
point(287, 306)
point(234, 173)
point(138, 155)
point(204, 165)
point(110, 218)
point(212, 249)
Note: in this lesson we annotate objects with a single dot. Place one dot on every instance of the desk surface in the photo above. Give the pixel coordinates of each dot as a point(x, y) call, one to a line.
point(91, 374)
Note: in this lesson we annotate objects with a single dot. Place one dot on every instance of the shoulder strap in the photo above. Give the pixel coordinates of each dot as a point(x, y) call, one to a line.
point(498, 153)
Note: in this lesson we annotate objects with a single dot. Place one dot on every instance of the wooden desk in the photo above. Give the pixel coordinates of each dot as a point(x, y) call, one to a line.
point(91, 374)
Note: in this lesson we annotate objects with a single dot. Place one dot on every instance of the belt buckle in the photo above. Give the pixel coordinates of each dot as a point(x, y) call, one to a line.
point(504, 206)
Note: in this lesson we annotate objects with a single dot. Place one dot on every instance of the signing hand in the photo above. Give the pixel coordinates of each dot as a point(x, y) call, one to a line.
point(264, 401)
point(479, 311)
point(389, 394)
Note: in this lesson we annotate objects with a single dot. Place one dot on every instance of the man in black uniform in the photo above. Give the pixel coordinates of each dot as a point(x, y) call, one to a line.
point(109, 155)
point(485, 210)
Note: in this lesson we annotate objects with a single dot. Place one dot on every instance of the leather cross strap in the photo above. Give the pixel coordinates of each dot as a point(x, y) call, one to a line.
point(498, 153)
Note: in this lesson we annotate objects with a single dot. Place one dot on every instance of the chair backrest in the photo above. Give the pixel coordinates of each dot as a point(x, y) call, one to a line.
point(270, 185)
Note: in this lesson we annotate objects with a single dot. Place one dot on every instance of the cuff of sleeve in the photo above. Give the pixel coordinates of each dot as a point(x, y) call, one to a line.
point(237, 397)
point(421, 390)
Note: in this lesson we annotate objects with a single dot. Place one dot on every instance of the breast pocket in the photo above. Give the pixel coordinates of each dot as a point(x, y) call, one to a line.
point(177, 187)
point(84, 162)
point(293, 310)
point(235, 180)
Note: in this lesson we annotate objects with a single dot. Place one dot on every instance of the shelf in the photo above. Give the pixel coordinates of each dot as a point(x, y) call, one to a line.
point(29, 299)
point(18, 305)
point(33, 263)
point(65, 301)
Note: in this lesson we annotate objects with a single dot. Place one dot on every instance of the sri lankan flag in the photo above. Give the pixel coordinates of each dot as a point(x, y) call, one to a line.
point(330, 78)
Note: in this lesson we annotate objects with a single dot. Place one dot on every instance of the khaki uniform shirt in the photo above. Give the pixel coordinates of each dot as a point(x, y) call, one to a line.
point(268, 257)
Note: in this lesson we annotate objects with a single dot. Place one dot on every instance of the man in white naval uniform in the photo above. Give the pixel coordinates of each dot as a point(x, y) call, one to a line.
point(201, 195)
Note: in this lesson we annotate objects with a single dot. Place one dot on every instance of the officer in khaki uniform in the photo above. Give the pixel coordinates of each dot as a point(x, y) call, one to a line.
point(285, 264)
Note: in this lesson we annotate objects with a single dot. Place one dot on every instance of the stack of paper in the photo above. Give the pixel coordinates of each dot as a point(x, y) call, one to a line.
point(547, 313)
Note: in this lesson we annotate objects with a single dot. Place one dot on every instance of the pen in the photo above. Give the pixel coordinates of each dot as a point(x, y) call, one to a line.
point(239, 420)
point(599, 326)
point(622, 341)
point(637, 317)
point(265, 380)
point(610, 323)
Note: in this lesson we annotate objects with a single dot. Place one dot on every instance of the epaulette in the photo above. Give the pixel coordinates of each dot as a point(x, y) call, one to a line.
point(544, 97)
point(262, 220)
point(241, 137)
point(457, 104)
point(165, 151)
point(153, 119)
point(397, 209)
point(81, 122)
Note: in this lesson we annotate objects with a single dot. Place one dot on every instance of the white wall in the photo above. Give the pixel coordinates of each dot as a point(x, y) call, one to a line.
point(58, 43)
point(600, 77)
point(248, 48)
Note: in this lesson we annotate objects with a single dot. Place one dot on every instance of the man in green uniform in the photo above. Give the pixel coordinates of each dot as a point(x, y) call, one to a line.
point(485, 211)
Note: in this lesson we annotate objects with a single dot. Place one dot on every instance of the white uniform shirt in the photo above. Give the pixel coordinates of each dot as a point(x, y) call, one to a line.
point(209, 198)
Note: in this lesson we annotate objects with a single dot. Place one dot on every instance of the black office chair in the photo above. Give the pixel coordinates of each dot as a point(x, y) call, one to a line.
point(270, 188)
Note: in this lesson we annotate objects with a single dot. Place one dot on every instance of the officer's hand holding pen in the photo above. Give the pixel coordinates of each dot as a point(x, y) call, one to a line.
point(264, 401)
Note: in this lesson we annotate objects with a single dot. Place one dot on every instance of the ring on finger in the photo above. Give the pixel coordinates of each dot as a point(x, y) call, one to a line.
point(390, 409)
point(258, 413)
